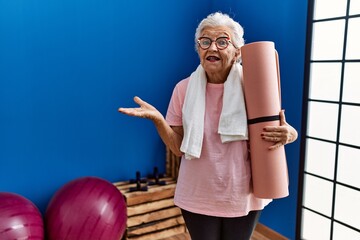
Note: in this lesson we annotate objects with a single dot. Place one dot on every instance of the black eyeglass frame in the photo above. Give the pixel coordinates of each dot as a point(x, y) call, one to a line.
point(216, 44)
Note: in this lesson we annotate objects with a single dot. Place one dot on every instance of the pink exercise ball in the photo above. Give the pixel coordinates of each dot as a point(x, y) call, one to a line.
point(19, 218)
point(86, 208)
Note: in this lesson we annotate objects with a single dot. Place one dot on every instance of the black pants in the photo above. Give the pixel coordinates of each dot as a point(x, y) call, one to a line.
point(203, 227)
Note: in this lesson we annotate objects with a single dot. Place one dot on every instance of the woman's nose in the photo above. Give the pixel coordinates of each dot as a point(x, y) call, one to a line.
point(213, 46)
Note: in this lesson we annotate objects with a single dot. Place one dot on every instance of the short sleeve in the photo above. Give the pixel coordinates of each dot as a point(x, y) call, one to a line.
point(174, 112)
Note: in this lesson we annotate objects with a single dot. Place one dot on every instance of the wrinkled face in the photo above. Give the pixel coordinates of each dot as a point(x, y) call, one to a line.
point(215, 61)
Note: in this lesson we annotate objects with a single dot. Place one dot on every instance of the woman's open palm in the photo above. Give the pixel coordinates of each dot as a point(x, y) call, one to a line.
point(145, 110)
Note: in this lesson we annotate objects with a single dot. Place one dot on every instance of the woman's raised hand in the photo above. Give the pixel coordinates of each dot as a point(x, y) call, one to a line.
point(145, 110)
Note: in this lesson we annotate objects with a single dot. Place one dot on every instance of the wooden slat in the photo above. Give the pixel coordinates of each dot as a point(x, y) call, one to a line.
point(155, 226)
point(258, 236)
point(153, 216)
point(153, 194)
point(181, 236)
point(172, 164)
point(168, 162)
point(161, 234)
point(269, 233)
point(149, 207)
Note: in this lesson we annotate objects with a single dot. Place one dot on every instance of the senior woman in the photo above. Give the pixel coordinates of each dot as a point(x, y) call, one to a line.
point(206, 125)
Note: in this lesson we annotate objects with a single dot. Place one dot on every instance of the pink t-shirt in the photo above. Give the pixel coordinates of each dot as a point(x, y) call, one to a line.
point(219, 182)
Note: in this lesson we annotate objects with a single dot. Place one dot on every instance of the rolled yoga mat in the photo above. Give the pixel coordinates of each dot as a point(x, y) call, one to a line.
point(263, 103)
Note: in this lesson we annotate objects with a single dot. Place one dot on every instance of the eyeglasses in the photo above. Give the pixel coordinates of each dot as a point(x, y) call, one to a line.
point(221, 42)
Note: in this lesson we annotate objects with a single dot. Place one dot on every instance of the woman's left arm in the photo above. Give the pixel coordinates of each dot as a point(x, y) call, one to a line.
point(280, 135)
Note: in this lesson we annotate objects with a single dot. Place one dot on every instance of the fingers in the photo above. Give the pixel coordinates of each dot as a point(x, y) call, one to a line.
point(274, 129)
point(129, 111)
point(280, 135)
point(272, 139)
point(145, 110)
point(272, 136)
point(138, 100)
point(282, 117)
point(280, 128)
point(122, 110)
point(279, 141)
point(142, 103)
point(132, 111)
point(276, 137)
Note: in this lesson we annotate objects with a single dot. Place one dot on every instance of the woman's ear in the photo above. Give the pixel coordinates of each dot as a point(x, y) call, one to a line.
point(237, 55)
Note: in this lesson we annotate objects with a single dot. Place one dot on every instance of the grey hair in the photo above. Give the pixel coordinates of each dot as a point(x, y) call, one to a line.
point(221, 19)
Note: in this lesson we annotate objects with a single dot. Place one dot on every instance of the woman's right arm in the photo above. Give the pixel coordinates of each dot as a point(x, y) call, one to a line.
point(171, 136)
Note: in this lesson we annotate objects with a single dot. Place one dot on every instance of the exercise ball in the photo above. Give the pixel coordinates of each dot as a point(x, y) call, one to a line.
point(86, 208)
point(19, 218)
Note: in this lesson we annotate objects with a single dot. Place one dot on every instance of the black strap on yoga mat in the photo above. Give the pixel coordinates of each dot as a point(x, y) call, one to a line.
point(263, 119)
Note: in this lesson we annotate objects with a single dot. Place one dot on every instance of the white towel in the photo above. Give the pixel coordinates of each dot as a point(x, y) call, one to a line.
point(233, 119)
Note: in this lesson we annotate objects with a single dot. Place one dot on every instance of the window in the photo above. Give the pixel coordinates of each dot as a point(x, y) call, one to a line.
point(329, 199)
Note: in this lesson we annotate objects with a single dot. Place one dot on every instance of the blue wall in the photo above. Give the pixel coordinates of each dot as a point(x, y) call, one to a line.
point(66, 66)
